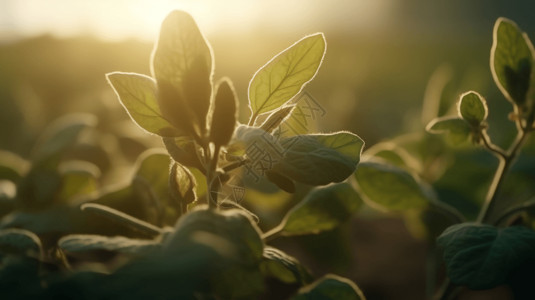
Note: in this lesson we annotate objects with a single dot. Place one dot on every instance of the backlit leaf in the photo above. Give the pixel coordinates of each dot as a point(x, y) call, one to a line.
point(322, 209)
point(138, 95)
point(284, 76)
point(330, 287)
point(78, 178)
point(511, 60)
point(12, 166)
point(473, 108)
point(319, 159)
point(391, 187)
point(182, 66)
point(482, 256)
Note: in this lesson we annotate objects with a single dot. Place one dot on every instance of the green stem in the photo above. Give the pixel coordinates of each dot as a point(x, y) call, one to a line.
point(212, 178)
point(273, 233)
point(252, 120)
point(504, 164)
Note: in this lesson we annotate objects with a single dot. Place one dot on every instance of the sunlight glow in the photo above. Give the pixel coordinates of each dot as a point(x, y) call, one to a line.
point(140, 19)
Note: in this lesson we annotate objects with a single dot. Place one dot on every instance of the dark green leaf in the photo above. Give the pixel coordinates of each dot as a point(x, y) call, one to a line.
point(511, 60)
point(284, 267)
point(482, 256)
point(458, 129)
point(473, 108)
point(322, 209)
point(232, 233)
point(225, 115)
point(391, 187)
point(20, 242)
point(184, 151)
point(283, 77)
point(138, 95)
point(60, 135)
point(330, 287)
point(233, 237)
point(85, 242)
point(182, 66)
point(283, 182)
point(12, 166)
point(319, 159)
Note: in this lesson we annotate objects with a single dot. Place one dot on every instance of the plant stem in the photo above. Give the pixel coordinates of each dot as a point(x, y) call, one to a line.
point(273, 233)
point(212, 177)
point(506, 159)
point(252, 119)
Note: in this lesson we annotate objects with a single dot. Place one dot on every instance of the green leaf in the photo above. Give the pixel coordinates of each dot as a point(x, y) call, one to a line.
point(78, 178)
point(184, 151)
point(319, 159)
point(283, 182)
point(225, 115)
point(330, 287)
point(77, 243)
point(285, 75)
point(233, 238)
point(182, 66)
point(473, 108)
point(283, 267)
point(138, 95)
point(20, 242)
point(458, 129)
point(322, 209)
point(232, 233)
point(59, 136)
point(511, 60)
point(482, 256)
point(391, 187)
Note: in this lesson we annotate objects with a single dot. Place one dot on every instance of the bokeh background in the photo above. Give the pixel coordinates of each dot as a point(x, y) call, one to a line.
point(390, 67)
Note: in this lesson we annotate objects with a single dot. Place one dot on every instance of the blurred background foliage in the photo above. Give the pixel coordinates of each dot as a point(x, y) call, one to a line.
point(391, 66)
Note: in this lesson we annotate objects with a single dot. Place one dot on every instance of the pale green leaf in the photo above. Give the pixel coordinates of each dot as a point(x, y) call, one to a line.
point(319, 159)
point(391, 187)
point(330, 287)
point(285, 75)
point(182, 65)
point(77, 243)
point(511, 60)
point(138, 95)
point(473, 108)
point(482, 256)
point(458, 130)
point(12, 166)
point(322, 209)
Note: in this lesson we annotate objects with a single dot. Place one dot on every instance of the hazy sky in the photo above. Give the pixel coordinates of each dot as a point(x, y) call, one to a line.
point(118, 19)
